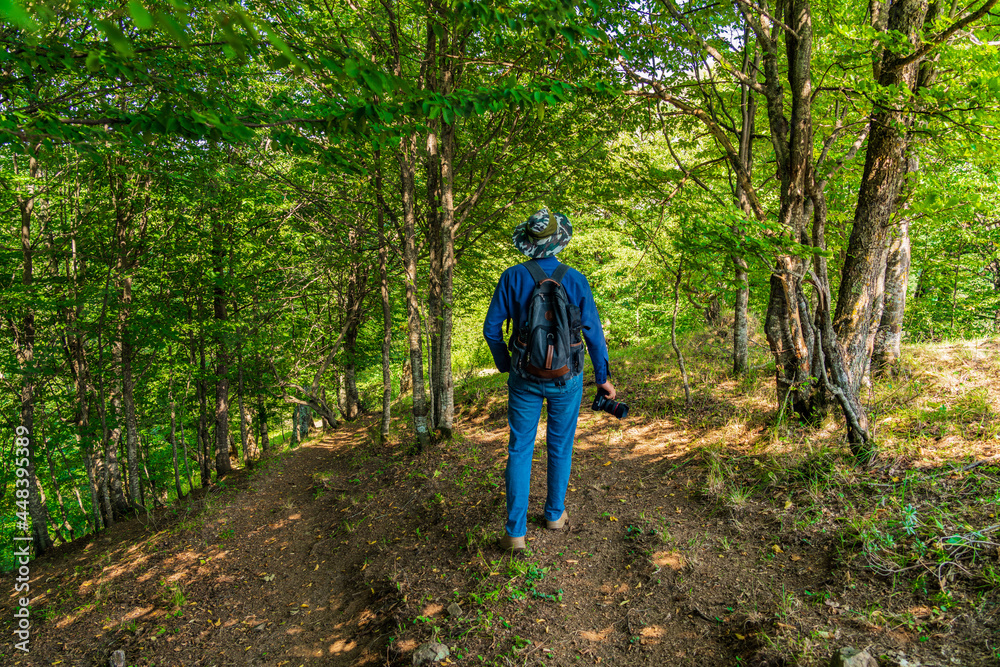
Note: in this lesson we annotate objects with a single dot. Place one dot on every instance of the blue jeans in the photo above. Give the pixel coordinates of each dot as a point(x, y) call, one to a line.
point(524, 409)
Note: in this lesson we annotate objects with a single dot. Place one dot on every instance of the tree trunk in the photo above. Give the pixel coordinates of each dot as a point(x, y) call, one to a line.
point(73, 342)
point(172, 438)
point(113, 498)
point(859, 301)
point(187, 457)
point(24, 346)
point(265, 441)
point(407, 168)
point(788, 324)
point(131, 223)
point(348, 384)
point(673, 338)
point(886, 352)
point(128, 404)
point(741, 276)
point(444, 403)
point(250, 453)
point(890, 331)
point(435, 259)
point(115, 452)
point(222, 463)
point(205, 444)
point(383, 261)
point(150, 482)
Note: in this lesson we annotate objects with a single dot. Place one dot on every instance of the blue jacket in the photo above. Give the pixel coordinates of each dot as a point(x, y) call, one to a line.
point(510, 300)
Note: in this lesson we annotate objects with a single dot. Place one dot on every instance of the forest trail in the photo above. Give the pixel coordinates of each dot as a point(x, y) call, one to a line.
point(687, 545)
point(247, 574)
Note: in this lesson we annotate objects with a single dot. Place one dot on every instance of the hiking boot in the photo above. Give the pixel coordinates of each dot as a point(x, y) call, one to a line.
point(558, 523)
point(508, 543)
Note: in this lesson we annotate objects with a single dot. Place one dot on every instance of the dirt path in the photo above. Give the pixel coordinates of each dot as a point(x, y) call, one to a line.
point(254, 579)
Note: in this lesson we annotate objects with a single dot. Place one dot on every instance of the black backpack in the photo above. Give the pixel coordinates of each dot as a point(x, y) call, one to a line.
point(546, 345)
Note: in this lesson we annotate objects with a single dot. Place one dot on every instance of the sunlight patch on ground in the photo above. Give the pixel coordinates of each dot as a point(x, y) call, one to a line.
point(671, 559)
point(406, 645)
point(597, 635)
point(652, 634)
point(136, 613)
point(66, 622)
point(653, 439)
point(113, 572)
point(175, 577)
point(342, 646)
point(432, 609)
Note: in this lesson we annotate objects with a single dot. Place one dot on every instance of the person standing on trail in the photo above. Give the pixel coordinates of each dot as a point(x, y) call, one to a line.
point(550, 306)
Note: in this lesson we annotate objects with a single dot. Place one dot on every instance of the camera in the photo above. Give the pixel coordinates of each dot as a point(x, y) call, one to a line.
point(609, 405)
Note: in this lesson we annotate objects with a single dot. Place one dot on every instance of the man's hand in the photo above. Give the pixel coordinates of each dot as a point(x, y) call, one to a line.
point(608, 388)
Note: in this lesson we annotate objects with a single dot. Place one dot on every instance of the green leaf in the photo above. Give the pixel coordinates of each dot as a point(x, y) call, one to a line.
point(143, 19)
point(12, 11)
point(94, 61)
point(173, 28)
point(280, 44)
point(117, 38)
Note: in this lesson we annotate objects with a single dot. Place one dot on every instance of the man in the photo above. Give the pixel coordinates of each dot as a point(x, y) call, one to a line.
point(540, 238)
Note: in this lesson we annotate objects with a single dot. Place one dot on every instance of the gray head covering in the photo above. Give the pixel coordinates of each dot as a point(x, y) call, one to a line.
point(543, 234)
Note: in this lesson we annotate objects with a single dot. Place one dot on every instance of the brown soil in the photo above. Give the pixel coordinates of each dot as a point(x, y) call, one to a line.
point(342, 552)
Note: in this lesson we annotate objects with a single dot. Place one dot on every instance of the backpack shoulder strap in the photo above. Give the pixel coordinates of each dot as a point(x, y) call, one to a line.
point(536, 271)
point(559, 273)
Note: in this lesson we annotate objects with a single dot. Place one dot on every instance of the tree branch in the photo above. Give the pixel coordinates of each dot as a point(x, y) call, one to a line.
point(933, 42)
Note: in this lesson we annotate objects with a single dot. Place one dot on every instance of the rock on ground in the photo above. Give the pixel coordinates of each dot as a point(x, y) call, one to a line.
point(430, 653)
point(849, 656)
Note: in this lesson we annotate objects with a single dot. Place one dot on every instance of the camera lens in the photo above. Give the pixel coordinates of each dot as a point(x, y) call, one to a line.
point(611, 406)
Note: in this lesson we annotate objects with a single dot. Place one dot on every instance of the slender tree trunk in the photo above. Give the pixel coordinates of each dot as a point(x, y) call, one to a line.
point(408, 176)
point(265, 441)
point(173, 436)
point(250, 453)
point(348, 384)
point(150, 482)
point(205, 443)
point(119, 449)
point(130, 228)
point(76, 355)
point(113, 500)
point(741, 276)
point(435, 243)
point(187, 459)
point(897, 271)
point(244, 426)
point(957, 264)
point(128, 404)
point(24, 345)
point(383, 261)
point(222, 463)
point(673, 338)
point(444, 385)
